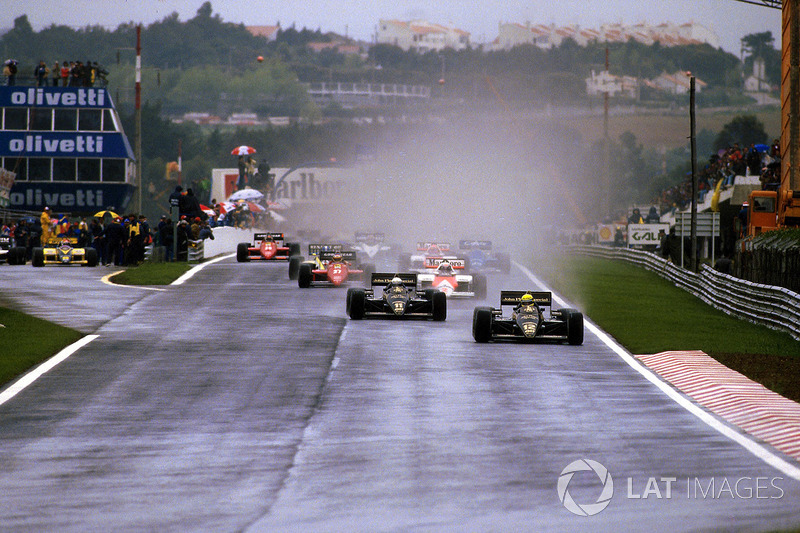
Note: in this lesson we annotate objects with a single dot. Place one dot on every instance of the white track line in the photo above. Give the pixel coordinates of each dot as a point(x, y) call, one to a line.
point(198, 268)
point(748, 444)
point(43, 368)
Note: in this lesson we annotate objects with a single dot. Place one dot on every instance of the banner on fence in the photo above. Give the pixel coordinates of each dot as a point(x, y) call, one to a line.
point(646, 234)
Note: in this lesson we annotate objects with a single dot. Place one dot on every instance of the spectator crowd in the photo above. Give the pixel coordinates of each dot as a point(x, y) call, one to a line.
point(58, 74)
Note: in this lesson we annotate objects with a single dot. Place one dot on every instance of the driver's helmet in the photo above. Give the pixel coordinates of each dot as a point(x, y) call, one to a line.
point(65, 242)
point(337, 257)
point(396, 282)
point(526, 299)
point(445, 268)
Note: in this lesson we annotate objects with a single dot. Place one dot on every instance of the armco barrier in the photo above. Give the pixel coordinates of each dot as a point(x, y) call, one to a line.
point(775, 307)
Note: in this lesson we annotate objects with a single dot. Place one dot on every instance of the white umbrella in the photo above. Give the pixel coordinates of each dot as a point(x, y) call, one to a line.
point(246, 194)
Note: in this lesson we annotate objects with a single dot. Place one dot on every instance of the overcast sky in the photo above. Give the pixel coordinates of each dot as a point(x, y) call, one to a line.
point(729, 19)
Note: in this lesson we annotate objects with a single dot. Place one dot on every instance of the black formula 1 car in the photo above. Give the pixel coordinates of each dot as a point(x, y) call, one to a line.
point(13, 255)
point(395, 296)
point(64, 253)
point(531, 320)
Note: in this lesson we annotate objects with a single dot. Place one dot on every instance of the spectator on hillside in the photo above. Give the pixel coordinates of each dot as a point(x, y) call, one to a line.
point(114, 236)
point(652, 216)
point(206, 232)
point(193, 209)
point(165, 237)
point(724, 264)
point(65, 68)
point(10, 72)
point(753, 159)
point(636, 217)
point(40, 72)
point(55, 74)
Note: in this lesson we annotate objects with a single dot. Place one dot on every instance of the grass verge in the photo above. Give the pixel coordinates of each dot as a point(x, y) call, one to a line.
point(151, 274)
point(18, 352)
point(648, 314)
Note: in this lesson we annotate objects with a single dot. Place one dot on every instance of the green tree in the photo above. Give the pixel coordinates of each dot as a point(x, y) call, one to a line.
point(742, 129)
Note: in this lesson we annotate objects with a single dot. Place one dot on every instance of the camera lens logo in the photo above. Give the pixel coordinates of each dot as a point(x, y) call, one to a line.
point(586, 509)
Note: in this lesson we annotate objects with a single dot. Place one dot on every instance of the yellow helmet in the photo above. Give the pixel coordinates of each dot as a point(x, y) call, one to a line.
point(526, 299)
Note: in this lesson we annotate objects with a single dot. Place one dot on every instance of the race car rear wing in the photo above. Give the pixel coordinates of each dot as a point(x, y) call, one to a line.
point(384, 278)
point(364, 237)
point(434, 262)
point(543, 298)
point(259, 237)
point(316, 249)
point(327, 255)
point(423, 246)
point(475, 245)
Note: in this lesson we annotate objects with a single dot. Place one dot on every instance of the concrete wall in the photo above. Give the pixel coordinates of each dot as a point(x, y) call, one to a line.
point(225, 241)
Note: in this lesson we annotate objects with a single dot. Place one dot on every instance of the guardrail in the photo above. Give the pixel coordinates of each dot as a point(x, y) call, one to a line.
point(775, 307)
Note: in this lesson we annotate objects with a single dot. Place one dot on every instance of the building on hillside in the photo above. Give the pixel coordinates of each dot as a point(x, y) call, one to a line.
point(270, 33)
point(677, 83)
point(421, 36)
point(543, 36)
point(605, 82)
point(340, 47)
point(756, 82)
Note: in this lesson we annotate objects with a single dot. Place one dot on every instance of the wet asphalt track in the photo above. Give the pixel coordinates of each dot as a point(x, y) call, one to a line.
point(239, 402)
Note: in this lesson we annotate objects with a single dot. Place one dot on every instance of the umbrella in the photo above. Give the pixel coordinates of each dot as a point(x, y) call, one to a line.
point(10, 62)
point(102, 214)
point(251, 206)
point(243, 150)
point(246, 194)
point(761, 147)
point(207, 210)
point(226, 207)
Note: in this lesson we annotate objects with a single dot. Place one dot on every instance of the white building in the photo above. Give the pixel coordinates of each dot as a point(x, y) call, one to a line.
point(677, 83)
point(421, 36)
point(756, 82)
point(543, 36)
point(605, 82)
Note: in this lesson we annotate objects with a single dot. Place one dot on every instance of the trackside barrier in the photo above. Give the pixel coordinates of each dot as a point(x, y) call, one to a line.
point(775, 307)
point(225, 240)
point(196, 251)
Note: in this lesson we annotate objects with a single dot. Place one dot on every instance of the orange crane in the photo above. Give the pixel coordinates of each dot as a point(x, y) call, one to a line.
point(779, 209)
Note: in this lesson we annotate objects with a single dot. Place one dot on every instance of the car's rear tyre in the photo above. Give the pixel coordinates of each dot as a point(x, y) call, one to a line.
point(294, 265)
point(357, 300)
point(243, 252)
point(482, 319)
point(574, 320)
point(294, 248)
point(38, 257)
point(349, 297)
point(304, 276)
point(91, 257)
point(479, 283)
point(439, 306)
point(11, 256)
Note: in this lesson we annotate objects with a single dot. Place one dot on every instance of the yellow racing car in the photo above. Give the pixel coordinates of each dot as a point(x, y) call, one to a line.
point(63, 252)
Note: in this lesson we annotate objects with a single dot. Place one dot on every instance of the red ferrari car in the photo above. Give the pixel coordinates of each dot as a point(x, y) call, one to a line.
point(332, 269)
point(266, 247)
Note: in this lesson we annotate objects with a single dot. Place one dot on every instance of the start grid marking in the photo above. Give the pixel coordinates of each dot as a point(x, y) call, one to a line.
point(732, 396)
